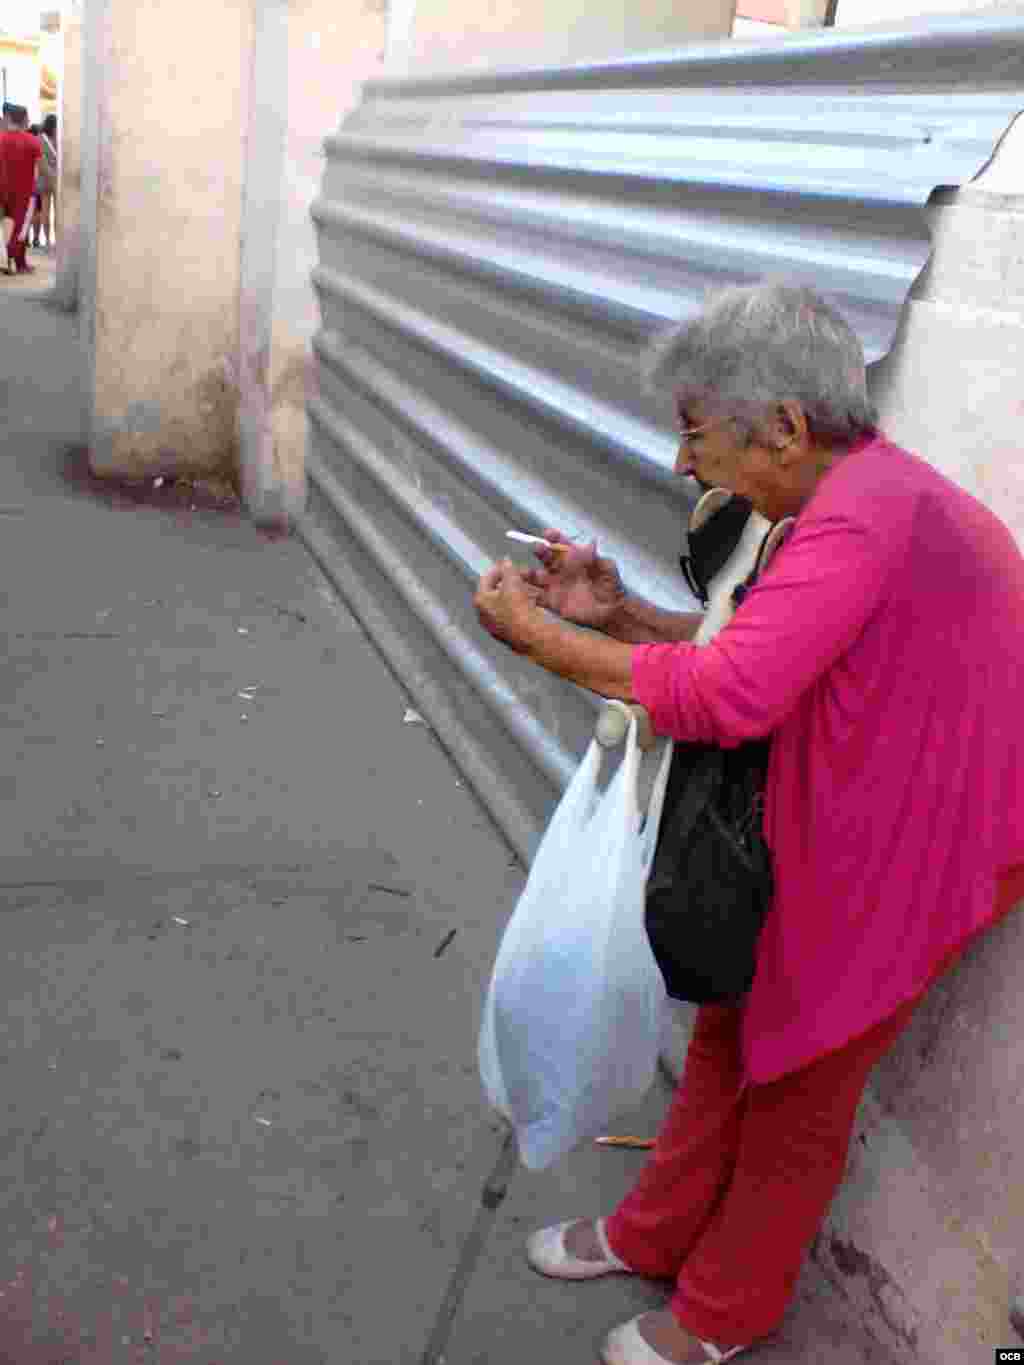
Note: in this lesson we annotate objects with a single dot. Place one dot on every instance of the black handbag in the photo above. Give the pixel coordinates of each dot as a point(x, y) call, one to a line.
point(711, 881)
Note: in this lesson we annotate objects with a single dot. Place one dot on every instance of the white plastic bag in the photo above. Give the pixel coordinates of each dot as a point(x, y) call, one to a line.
point(573, 1017)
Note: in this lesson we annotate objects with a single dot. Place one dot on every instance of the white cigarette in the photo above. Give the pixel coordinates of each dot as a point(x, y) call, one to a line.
point(534, 540)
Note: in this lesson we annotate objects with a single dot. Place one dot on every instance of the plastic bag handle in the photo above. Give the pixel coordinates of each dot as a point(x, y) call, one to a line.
point(613, 725)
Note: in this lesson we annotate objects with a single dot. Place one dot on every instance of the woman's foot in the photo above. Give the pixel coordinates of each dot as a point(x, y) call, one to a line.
point(573, 1251)
point(659, 1339)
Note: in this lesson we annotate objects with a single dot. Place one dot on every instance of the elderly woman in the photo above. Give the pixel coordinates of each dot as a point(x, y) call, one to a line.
point(883, 651)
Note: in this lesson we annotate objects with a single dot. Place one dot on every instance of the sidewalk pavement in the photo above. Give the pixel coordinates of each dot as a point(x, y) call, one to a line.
point(244, 1123)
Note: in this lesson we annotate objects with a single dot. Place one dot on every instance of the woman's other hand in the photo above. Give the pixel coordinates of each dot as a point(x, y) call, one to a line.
point(576, 583)
point(506, 603)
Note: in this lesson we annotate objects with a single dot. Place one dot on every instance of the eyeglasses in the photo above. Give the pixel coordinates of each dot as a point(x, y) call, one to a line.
point(686, 432)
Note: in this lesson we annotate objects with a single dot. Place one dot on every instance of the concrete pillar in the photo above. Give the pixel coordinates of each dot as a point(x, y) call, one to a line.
point(786, 14)
point(69, 149)
point(325, 53)
point(805, 13)
point(167, 90)
point(201, 156)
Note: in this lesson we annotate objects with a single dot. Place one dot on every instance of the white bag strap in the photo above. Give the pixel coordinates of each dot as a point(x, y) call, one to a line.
point(613, 725)
point(618, 721)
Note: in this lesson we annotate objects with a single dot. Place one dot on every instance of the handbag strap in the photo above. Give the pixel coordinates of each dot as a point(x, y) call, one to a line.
point(774, 538)
point(711, 539)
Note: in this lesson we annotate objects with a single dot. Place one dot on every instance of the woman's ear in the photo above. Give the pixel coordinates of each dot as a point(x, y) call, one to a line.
point(790, 431)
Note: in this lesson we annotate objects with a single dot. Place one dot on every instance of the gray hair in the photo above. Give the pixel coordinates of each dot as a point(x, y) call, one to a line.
point(753, 346)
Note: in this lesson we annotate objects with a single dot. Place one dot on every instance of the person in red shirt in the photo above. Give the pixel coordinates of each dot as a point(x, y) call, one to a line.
point(4, 126)
point(20, 154)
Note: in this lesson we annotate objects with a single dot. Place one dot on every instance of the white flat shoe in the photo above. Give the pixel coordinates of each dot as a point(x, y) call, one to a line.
point(546, 1252)
point(625, 1346)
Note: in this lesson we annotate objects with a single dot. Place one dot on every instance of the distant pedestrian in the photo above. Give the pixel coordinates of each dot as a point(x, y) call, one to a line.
point(37, 203)
point(5, 222)
point(46, 184)
point(20, 154)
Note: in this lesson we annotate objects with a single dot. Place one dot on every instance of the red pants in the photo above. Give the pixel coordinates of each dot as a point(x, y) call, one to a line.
point(20, 209)
point(742, 1175)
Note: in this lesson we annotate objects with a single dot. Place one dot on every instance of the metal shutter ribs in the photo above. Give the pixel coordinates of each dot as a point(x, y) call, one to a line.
point(495, 252)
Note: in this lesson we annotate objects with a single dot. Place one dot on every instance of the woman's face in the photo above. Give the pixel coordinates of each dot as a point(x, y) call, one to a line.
point(712, 453)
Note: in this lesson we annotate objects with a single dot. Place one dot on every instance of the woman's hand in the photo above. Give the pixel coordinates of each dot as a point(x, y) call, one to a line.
point(507, 604)
point(575, 583)
point(509, 607)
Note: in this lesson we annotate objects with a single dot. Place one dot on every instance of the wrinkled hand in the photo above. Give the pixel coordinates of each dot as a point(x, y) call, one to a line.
point(576, 583)
point(506, 603)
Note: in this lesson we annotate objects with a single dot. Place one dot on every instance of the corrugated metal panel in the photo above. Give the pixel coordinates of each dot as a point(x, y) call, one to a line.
point(494, 253)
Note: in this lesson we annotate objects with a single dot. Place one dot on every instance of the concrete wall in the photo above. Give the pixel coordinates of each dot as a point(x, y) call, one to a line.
point(446, 35)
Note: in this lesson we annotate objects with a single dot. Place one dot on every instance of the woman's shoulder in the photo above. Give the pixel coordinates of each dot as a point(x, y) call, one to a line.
point(871, 490)
point(893, 484)
point(878, 461)
point(911, 515)
point(881, 486)
point(880, 466)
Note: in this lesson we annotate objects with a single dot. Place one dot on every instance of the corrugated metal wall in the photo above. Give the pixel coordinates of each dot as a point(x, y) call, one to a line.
point(495, 252)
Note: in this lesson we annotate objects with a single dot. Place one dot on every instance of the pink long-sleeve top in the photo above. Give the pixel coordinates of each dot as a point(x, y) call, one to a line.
point(883, 648)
